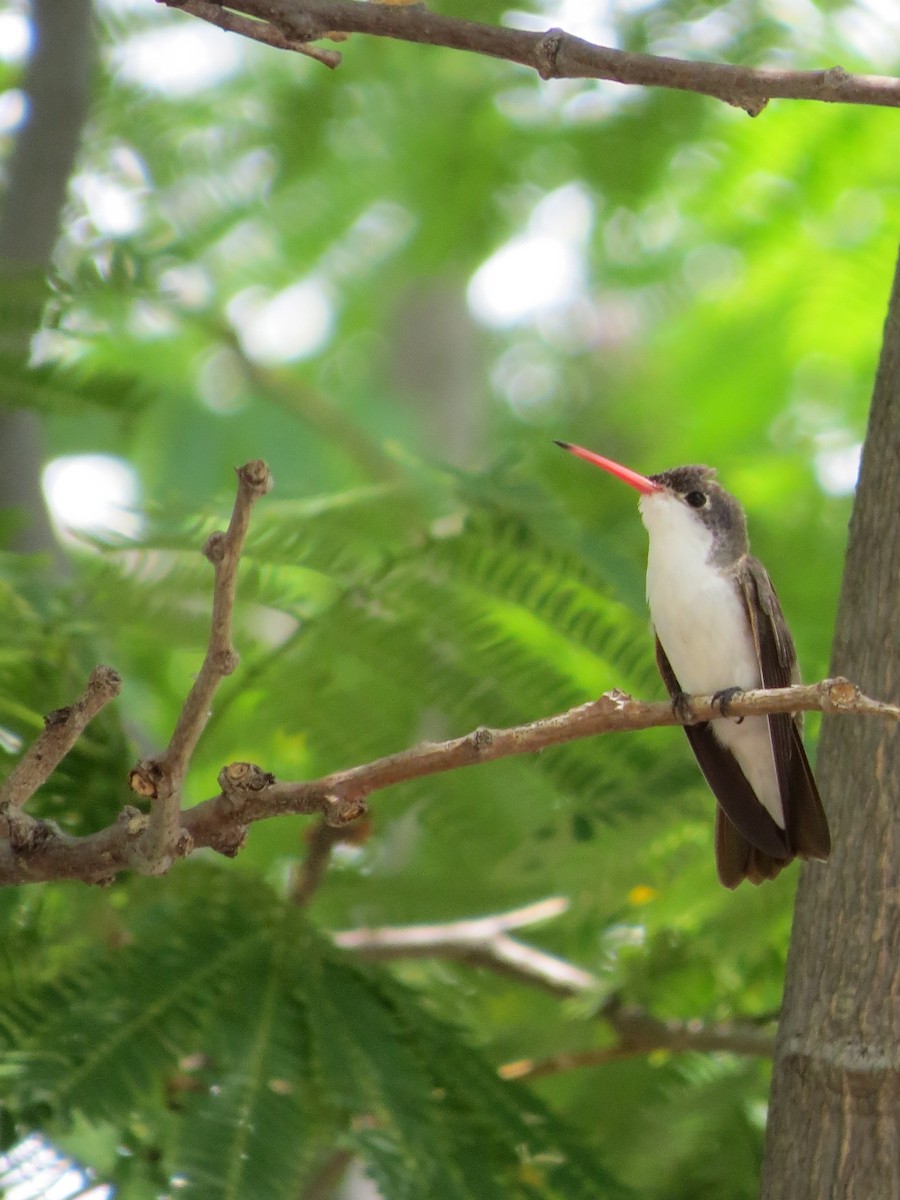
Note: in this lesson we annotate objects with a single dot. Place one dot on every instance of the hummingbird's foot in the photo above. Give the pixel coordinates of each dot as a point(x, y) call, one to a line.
point(723, 698)
point(681, 707)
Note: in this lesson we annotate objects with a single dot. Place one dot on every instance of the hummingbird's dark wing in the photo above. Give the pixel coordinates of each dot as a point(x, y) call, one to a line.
point(804, 817)
point(753, 826)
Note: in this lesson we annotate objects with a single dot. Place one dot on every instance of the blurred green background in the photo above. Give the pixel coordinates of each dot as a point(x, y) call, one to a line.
point(397, 283)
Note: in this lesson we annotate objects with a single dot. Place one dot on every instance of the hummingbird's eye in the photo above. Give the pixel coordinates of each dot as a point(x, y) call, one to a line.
point(696, 499)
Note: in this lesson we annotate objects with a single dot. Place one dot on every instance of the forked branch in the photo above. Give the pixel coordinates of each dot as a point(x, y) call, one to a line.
point(480, 942)
point(161, 779)
point(487, 943)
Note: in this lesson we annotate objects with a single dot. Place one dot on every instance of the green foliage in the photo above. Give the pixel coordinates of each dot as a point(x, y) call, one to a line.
point(248, 1045)
point(427, 563)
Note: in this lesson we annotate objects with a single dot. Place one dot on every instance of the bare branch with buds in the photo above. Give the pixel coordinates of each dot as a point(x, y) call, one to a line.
point(35, 851)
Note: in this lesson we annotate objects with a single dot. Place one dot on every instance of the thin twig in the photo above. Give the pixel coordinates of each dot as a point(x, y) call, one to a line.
point(250, 794)
point(555, 54)
point(160, 779)
point(62, 729)
point(258, 31)
point(640, 1034)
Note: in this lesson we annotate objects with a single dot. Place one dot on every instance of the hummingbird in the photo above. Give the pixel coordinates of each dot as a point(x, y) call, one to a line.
point(720, 630)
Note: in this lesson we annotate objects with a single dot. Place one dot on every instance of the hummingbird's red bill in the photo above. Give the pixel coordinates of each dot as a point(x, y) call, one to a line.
point(640, 482)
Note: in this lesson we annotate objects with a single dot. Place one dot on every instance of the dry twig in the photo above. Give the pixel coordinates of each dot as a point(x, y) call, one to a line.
point(613, 712)
point(62, 729)
point(555, 54)
point(160, 779)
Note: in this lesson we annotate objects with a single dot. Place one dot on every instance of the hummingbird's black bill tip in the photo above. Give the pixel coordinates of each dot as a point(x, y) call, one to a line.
point(562, 445)
point(639, 482)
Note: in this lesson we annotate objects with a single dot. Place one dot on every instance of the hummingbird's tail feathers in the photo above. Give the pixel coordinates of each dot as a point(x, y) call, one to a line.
point(737, 860)
point(807, 825)
point(749, 843)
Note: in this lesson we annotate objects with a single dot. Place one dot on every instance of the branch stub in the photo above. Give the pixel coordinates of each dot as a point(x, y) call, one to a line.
point(144, 777)
point(343, 810)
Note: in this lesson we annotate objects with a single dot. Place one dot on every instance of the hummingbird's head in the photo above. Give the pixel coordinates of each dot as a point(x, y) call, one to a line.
point(683, 503)
point(688, 496)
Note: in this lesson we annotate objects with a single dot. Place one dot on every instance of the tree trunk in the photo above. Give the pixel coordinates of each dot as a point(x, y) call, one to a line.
point(56, 83)
point(834, 1116)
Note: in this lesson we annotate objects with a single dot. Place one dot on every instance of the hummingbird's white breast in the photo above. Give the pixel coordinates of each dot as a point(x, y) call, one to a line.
point(699, 617)
point(697, 610)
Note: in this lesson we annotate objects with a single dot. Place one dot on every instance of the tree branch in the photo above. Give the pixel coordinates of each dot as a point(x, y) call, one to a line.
point(640, 1034)
point(251, 794)
point(485, 942)
point(480, 942)
point(613, 712)
point(555, 54)
point(160, 779)
point(62, 729)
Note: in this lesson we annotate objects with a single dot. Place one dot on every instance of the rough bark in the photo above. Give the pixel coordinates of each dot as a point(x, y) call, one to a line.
point(834, 1118)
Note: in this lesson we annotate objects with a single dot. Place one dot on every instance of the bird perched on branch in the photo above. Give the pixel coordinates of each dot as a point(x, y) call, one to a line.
point(720, 629)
